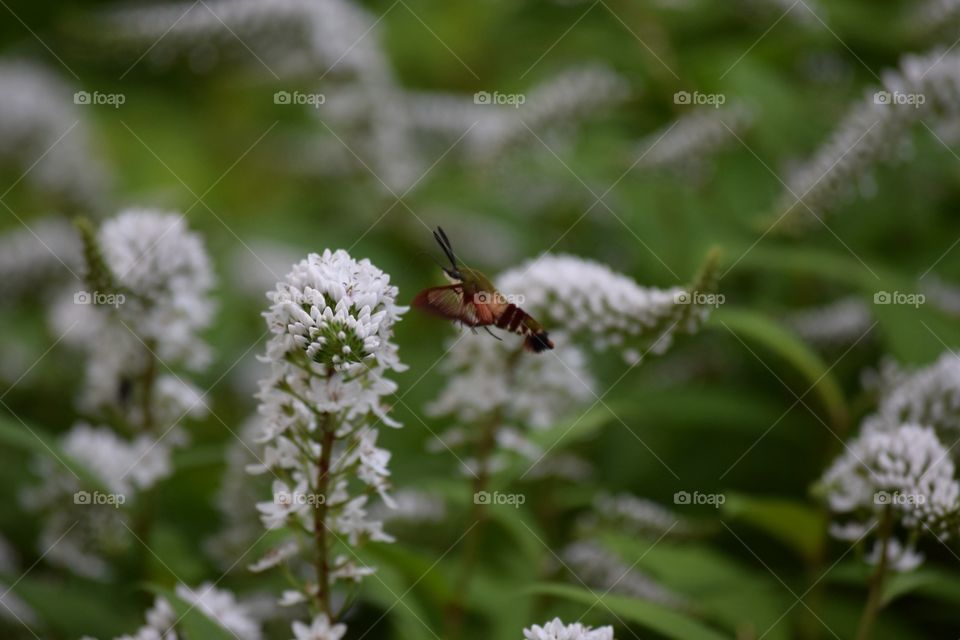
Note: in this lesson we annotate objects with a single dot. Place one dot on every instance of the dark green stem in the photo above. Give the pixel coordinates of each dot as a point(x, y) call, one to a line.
point(875, 594)
point(322, 562)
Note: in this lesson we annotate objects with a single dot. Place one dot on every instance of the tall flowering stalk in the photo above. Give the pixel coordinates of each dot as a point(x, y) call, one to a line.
point(896, 483)
point(923, 88)
point(331, 320)
point(147, 299)
point(497, 392)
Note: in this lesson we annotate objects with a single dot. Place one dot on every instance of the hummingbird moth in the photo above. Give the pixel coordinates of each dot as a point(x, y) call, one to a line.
point(472, 300)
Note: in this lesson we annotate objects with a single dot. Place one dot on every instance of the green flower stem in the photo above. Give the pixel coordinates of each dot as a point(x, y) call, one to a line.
point(322, 561)
point(875, 594)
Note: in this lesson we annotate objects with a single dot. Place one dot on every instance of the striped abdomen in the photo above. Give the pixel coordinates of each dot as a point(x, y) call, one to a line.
point(516, 320)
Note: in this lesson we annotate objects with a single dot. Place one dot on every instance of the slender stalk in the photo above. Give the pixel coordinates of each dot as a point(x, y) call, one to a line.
point(875, 594)
point(478, 513)
point(322, 562)
point(146, 502)
point(147, 384)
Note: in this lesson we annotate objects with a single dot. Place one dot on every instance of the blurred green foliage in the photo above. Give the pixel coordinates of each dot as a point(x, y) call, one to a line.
point(720, 409)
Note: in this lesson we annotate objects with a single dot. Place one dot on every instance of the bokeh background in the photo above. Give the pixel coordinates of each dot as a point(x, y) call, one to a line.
point(193, 108)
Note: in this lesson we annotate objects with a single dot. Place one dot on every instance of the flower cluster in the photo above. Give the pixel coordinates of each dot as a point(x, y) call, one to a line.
point(603, 570)
point(569, 97)
point(291, 37)
point(219, 605)
point(150, 281)
point(579, 297)
point(31, 257)
point(935, 17)
point(923, 88)
point(494, 384)
point(557, 630)
point(331, 321)
point(122, 468)
point(634, 515)
point(904, 474)
point(684, 144)
point(45, 133)
point(929, 396)
point(838, 323)
point(535, 393)
point(909, 461)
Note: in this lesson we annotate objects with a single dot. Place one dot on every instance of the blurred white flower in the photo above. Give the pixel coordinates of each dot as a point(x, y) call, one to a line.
point(94, 520)
point(838, 323)
point(562, 465)
point(43, 130)
point(929, 396)
point(900, 557)
point(319, 629)
point(923, 88)
point(558, 102)
point(163, 280)
point(585, 298)
point(291, 37)
point(411, 505)
point(331, 321)
point(685, 144)
point(222, 607)
point(33, 256)
point(635, 515)
point(556, 630)
point(934, 17)
point(493, 384)
point(599, 568)
point(153, 255)
point(537, 392)
point(218, 605)
point(906, 471)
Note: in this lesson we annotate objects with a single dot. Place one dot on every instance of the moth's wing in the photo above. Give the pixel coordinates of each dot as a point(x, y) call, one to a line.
point(448, 302)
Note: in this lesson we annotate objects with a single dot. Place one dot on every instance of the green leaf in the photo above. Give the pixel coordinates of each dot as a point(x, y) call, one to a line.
point(71, 607)
point(797, 525)
point(930, 582)
point(761, 329)
point(733, 593)
point(390, 588)
point(666, 622)
point(194, 624)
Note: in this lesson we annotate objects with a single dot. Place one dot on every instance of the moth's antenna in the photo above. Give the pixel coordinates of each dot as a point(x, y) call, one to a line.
point(444, 243)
